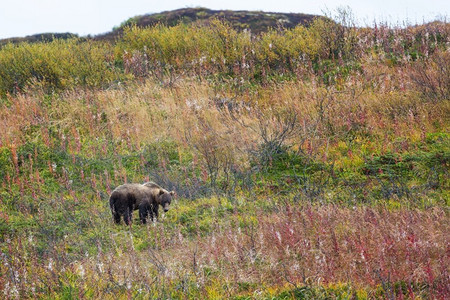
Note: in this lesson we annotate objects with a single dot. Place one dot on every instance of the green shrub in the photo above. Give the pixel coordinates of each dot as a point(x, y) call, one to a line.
point(57, 65)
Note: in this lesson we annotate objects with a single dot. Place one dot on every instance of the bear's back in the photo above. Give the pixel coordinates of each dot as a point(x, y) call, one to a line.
point(139, 191)
point(152, 185)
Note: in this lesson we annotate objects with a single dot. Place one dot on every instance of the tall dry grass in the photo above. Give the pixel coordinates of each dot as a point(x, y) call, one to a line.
point(380, 253)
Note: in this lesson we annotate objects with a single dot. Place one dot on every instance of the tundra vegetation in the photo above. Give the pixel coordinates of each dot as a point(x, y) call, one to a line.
point(308, 163)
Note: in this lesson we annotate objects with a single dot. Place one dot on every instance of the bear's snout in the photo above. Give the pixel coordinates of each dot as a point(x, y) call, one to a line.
point(166, 207)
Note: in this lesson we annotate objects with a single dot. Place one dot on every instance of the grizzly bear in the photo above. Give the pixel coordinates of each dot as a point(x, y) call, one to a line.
point(133, 196)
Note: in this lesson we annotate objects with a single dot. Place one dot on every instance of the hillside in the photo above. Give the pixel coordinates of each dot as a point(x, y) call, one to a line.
point(256, 21)
point(40, 37)
point(308, 163)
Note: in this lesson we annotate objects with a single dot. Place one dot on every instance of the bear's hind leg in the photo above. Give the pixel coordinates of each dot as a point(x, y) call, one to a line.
point(116, 216)
point(127, 216)
point(114, 209)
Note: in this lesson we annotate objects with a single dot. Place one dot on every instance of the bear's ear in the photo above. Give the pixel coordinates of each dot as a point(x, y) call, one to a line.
point(172, 193)
point(161, 192)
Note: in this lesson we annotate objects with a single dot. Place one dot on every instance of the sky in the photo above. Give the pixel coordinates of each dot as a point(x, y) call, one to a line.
point(26, 17)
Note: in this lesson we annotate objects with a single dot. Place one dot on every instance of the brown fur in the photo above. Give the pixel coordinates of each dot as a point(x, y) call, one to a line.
point(143, 197)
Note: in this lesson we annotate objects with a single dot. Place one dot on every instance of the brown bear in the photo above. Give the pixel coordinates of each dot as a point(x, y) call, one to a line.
point(133, 196)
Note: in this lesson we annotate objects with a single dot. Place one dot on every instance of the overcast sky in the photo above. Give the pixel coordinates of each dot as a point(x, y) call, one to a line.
point(26, 17)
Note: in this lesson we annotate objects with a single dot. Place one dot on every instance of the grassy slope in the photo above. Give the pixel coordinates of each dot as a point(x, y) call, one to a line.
point(321, 178)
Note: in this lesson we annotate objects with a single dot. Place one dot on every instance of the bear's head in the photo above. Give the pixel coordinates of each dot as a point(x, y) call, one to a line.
point(165, 198)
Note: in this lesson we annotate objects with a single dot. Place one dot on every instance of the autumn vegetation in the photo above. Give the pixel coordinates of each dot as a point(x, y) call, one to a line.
point(309, 163)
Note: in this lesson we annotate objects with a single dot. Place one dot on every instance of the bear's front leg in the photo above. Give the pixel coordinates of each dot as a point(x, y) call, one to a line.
point(143, 213)
point(155, 212)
